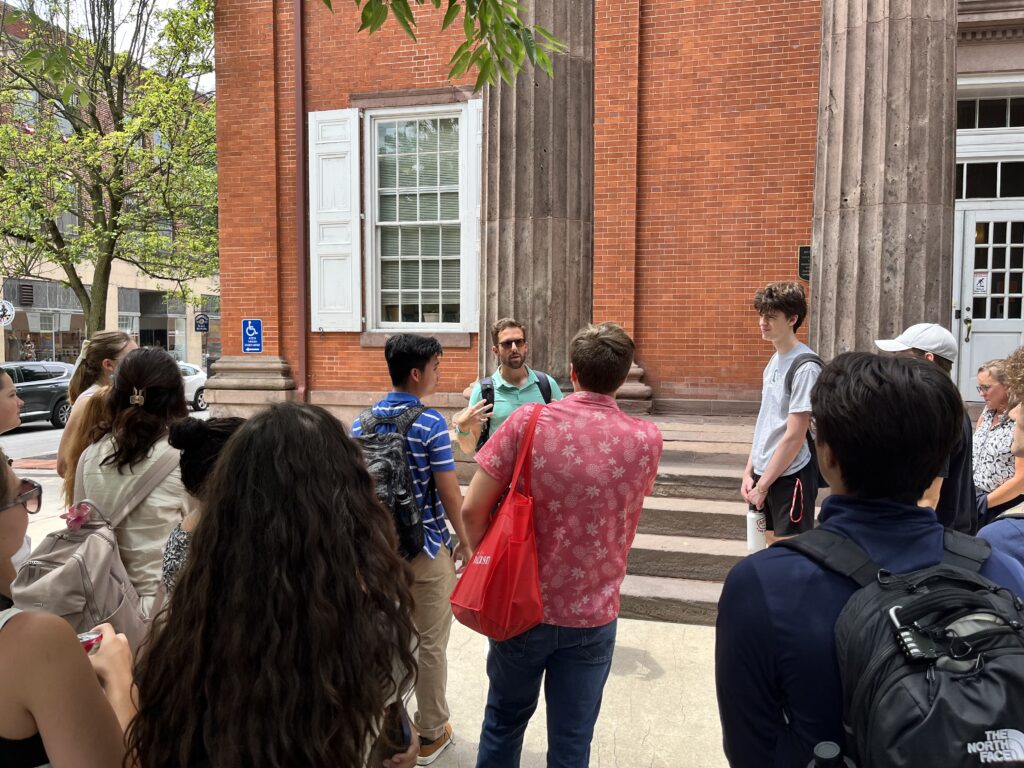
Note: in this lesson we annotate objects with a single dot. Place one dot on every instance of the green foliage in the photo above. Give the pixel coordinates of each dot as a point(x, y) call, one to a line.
point(108, 143)
point(497, 42)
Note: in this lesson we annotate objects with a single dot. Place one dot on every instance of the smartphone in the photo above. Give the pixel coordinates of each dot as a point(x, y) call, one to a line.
point(90, 641)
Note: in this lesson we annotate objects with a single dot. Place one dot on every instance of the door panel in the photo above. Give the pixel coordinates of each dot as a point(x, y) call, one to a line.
point(992, 291)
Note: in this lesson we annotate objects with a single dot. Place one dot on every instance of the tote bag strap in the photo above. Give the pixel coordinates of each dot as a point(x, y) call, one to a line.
point(523, 466)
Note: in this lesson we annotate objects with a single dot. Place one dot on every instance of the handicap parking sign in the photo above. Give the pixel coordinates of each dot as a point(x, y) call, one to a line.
point(252, 335)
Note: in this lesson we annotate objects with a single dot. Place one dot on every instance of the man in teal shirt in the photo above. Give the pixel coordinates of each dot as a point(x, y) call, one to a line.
point(514, 385)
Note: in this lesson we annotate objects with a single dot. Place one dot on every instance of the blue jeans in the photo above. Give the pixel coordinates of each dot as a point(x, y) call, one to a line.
point(574, 664)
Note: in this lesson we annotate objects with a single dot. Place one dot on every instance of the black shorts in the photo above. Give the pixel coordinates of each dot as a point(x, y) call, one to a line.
point(789, 505)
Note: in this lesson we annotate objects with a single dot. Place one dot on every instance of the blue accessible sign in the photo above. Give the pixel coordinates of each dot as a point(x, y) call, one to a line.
point(252, 336)
point(202, 323)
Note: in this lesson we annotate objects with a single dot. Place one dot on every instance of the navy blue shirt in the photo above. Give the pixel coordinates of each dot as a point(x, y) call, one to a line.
point(779, 690)
point(1007, 536)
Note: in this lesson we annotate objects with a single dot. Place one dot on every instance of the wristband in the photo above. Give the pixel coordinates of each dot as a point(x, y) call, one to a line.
point(458, 431)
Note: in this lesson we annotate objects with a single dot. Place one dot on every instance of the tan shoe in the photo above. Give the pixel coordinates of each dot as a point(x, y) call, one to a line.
point(431, 750)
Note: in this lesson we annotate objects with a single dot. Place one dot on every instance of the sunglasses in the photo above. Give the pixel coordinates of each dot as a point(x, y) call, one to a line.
point(30, 494)
point(509, 343)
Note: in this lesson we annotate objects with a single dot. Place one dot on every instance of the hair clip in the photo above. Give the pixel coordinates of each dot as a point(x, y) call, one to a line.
point(138, 396)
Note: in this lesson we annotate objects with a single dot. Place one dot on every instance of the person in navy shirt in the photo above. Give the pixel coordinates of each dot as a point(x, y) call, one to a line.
point(884, 428)
point(1007, 534)
point(413, 363)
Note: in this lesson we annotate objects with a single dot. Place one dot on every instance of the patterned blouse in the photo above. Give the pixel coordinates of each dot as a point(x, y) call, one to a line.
point(175, 555)
point(993, 462)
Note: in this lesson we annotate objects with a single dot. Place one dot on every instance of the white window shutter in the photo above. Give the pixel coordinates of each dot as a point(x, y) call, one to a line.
point(335, 260)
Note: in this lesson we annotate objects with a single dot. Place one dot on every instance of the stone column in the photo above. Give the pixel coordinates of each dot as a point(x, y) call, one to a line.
point(883, 198)
point(538, 160)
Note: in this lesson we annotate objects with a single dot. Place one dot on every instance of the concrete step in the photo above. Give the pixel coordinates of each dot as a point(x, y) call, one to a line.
point(681, 601)
point(669, 516)
point(684, 557)
point(691, 480)
point(729, 454)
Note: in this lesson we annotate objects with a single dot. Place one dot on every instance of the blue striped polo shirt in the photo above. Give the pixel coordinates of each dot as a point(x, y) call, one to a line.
point(430, 450)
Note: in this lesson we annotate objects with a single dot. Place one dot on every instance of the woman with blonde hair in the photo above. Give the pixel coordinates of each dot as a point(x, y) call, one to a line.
point(998, 476)
point(95, 368)
point(80, 435)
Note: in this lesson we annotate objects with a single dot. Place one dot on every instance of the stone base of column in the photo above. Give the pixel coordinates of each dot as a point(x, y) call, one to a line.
point(634, 396)
point(242, 386)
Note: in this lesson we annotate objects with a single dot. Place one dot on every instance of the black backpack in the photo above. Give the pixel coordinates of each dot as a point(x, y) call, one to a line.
point(932, 661)
point(487, 395)
point(387, 459)
point(807, 357)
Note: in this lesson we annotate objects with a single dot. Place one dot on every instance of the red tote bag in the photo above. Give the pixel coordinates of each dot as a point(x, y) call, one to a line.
point(498, 594)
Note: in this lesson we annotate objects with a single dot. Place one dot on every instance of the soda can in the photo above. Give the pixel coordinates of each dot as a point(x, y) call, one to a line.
point(90, 641)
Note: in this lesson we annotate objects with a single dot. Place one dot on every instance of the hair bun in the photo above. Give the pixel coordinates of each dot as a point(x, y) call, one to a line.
point(187, 433)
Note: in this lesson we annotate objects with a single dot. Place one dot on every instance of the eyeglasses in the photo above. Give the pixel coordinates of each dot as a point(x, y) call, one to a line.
point(983, 388)
point(509, 343)
point(30, 493)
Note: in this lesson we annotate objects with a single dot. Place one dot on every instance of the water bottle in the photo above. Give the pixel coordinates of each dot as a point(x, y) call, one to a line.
point(827, 754)
point(756, 527)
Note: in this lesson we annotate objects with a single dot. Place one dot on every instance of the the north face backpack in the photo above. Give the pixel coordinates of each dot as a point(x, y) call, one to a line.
point(487, 395)
point(932, 661)
point(801, 360)
point(77, 572)
point(387, 459)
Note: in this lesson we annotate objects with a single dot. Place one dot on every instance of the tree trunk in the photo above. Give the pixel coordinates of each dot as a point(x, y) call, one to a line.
point(96, 317)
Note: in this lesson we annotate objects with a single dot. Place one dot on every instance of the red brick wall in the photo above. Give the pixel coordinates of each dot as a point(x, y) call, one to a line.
point(256, 133)
point(724, 176)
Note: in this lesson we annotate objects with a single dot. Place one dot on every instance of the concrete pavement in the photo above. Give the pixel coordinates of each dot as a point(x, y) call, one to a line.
point(659, 707)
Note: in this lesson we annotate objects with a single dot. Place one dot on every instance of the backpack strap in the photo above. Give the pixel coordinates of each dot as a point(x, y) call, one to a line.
point(544, 385)
point(487, 395)
point(1016, 512)
point(7, 615)
point(835, 552)
point(963, 551)
point(135, 493)
point(799, 362)
point(404, 421)
point(368, 422)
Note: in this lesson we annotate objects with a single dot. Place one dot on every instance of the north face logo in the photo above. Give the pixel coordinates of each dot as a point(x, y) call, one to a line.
point(1003, 746)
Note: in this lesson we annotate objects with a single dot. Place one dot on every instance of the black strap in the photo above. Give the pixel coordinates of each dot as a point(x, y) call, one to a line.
point(835, 552)
point(963, 551)
point(544, 385)
point(369, 421)
point(800, 361)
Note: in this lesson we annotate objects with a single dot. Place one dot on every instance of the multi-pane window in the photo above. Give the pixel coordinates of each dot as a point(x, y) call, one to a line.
point(989, 180)
point(998, 274)
point(1004, 112)
point(419, 220)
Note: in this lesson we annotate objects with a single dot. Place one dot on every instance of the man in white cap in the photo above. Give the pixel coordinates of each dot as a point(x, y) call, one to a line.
point(956, 506)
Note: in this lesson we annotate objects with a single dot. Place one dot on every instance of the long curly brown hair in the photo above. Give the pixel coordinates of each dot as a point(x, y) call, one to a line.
point(290, 629)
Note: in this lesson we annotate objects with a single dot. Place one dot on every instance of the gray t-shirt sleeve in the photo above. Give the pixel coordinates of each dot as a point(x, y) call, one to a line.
point(803, 383)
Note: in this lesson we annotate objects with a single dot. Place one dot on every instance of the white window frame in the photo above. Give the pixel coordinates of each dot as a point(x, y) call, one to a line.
point(470, 161)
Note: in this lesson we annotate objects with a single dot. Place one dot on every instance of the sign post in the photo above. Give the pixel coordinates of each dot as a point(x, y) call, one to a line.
point(202, 323)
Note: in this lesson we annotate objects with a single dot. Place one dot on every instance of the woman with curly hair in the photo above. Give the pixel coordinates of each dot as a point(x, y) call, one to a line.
point(287, 640)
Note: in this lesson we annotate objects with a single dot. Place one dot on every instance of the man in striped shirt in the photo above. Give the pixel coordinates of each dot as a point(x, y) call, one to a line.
point(413, 363)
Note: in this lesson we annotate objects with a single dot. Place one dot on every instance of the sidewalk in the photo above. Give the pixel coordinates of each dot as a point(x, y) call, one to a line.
point(659, 707)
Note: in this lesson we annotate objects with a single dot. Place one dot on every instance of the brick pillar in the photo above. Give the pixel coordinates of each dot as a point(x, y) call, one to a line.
point(883, 199)
point(537, 250)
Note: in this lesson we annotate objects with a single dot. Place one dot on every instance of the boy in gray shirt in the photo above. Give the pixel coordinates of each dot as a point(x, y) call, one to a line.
point(780, 478)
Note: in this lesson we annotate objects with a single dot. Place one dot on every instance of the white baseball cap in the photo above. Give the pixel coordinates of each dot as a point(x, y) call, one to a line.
point(927, 337)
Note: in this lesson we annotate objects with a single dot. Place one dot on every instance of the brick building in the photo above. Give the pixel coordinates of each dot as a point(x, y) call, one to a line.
point(368, 169)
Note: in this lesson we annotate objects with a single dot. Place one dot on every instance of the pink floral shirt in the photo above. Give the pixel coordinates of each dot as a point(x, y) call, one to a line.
point(592, 467)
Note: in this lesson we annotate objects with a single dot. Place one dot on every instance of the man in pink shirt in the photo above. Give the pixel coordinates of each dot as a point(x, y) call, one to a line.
point(592, 467)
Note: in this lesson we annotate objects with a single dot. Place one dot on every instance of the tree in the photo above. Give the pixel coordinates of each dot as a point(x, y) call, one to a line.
point(497, 43)
point(107, 143)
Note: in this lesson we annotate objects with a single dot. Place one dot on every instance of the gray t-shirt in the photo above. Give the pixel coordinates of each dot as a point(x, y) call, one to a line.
point(776, 407)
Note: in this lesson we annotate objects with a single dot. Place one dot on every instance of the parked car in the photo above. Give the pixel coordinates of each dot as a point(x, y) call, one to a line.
point(43, 387)
point(195, 385)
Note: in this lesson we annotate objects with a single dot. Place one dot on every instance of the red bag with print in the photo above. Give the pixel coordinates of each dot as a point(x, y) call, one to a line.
point(498, 594)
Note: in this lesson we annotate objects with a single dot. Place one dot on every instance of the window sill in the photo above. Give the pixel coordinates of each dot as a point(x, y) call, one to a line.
point(448, 339)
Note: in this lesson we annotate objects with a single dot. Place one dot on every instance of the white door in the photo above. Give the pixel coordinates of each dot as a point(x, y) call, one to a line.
point(991, 325)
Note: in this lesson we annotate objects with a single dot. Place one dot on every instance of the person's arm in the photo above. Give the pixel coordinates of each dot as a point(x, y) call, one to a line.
point(785, 452)
point(57, 686)
point(750, 701)
point(451, 497)
point(748, 477)
point(481, 499)
point(112, 664)
point(65, 437)
point(468, 424)
point(1011, 489)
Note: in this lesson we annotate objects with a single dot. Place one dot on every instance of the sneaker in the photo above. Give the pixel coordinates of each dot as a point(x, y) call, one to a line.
point(431, 750)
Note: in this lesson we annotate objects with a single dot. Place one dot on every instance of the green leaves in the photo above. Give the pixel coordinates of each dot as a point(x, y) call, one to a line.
point(497, 45)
